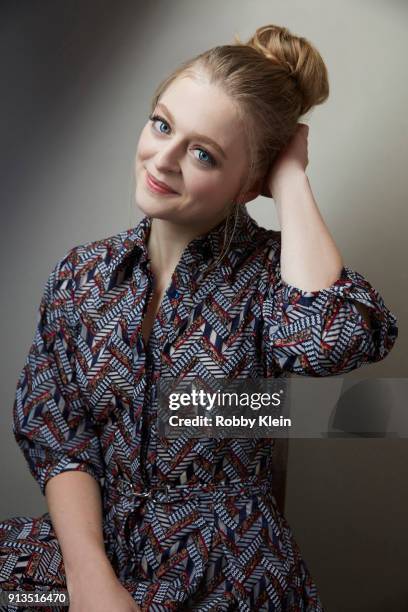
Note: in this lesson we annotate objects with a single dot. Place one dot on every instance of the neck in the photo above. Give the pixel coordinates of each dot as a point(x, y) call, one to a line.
point(167, 241)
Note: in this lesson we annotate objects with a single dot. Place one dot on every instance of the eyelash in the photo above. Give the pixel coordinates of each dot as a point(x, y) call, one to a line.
point(210, 162)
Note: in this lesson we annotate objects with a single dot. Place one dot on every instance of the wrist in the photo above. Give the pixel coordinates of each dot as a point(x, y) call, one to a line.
point(290, 182)
point(89, 567)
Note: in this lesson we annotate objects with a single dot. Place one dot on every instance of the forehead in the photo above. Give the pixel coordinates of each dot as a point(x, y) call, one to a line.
point(198, 106)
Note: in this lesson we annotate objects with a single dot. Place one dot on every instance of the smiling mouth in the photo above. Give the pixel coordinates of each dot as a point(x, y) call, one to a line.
point(157, 187)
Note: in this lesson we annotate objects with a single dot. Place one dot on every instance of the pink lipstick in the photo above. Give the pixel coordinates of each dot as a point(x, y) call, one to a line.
point(157, 187)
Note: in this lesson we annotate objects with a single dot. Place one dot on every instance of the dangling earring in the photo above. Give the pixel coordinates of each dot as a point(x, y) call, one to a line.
point(235, 209)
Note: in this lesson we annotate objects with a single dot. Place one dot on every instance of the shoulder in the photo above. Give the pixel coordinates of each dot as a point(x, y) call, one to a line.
point(95, 257)
point(270, 239)
point(264, 243)
point(254, 253)
point(84, 272)
point(105, 250)
point(262, 255)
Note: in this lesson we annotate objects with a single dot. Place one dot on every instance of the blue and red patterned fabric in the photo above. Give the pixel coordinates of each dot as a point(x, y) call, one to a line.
point(87, 400)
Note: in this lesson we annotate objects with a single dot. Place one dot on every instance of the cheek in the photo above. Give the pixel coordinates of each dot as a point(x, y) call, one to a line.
point(203, 184)
point(144, 146)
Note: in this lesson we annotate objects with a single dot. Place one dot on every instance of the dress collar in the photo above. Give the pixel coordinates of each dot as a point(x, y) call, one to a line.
point(130, 247)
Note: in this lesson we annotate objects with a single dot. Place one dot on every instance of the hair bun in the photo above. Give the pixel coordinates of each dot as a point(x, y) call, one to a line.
point(298, 57)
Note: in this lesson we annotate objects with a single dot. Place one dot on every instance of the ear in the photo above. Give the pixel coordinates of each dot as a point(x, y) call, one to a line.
point(258, 188)
point(248, 197)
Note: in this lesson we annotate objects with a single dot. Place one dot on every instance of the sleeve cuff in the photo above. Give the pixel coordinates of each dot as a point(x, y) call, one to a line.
point(343, 330)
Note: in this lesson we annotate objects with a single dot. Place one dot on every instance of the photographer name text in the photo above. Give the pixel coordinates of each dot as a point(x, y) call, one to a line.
point(232, 421)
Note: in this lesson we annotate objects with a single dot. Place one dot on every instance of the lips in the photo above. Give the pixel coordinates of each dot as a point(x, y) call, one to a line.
point(158, 185)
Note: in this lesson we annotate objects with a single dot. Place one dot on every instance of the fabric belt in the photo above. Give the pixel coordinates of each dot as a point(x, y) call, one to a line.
point(167, 493)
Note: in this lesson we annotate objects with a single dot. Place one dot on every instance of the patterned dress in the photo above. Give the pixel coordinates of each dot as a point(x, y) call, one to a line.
point(87, 400)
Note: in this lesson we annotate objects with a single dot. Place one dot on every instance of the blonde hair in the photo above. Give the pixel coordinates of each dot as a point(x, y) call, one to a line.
point(272, 79)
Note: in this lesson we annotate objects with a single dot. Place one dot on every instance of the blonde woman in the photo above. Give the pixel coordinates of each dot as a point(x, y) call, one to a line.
point(137, 521)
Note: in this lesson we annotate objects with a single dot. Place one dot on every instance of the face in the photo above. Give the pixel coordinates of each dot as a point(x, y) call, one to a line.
point(194, 143)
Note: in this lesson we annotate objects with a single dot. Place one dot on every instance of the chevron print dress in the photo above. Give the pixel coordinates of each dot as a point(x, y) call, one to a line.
point(87, 400)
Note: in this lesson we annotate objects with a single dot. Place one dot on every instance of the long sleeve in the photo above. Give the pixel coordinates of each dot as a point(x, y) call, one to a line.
point(322, 333)
point(51, 423)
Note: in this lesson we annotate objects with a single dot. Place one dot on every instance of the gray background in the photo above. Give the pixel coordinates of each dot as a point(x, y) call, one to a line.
point(77, 80)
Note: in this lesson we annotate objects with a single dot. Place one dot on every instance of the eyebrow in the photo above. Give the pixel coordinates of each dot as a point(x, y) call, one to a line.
point(199, 136)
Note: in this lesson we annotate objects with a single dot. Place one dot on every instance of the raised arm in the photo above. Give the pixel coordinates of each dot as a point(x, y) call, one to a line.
point(320, 317)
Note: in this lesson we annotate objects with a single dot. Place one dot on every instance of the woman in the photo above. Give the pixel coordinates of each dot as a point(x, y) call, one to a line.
point(196, 289)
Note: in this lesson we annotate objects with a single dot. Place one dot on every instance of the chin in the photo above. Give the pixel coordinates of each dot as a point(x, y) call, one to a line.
point(154, 209)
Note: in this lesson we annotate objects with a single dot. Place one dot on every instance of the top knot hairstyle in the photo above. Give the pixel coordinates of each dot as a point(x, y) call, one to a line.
point(272, 79)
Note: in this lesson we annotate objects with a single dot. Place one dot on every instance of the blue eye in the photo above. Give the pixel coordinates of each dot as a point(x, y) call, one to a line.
point(209, 159)
point(204, 157)
point(155, 118)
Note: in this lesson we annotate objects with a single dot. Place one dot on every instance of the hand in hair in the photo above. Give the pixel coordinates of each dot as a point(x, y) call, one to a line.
point(293, 158)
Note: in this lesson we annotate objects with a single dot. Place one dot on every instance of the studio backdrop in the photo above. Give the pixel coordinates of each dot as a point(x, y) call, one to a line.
point(77, 82)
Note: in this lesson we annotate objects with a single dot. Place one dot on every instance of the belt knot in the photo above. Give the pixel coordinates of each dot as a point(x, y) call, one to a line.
point(166, 493)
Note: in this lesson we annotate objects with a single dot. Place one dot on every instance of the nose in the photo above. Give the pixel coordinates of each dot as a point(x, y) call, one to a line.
point(167, 158)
